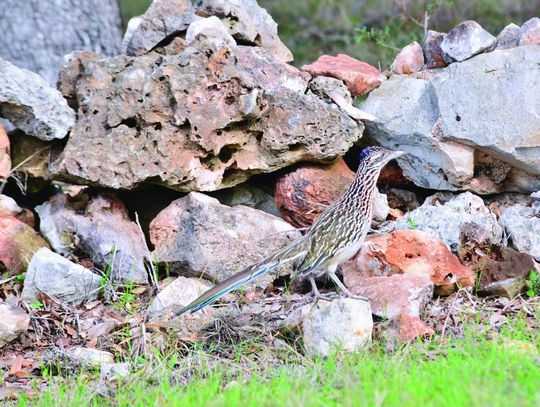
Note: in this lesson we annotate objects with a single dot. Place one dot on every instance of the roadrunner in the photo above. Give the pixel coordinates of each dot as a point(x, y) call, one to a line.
point(335, 236)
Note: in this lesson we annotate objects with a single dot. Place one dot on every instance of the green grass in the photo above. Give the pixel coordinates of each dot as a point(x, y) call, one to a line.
point(474, 371)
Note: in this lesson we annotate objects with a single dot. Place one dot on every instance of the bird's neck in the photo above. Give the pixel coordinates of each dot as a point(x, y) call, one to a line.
point(362, 189)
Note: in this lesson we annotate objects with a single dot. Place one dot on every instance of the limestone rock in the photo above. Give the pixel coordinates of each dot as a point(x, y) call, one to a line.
point(466, 40)
point(132, 25)
point(18, 243)
point(443, 215)
point(197, 236)
point(210, 27)
point(508, 37)
point(247, 22)
point(359, 76)
point(28, 102)
point(36, 34)
point(529, 33)
point(345, 324)
point(100, 227)
point(60, 278)
point(304, 193)
point(334, 90)
point(410, 59)
point(111, 371)
point(90, 357)
point(8, 207)
point(411, 252)
point(178, 294)
point(13, 322)
point(434, 55)
point(440, 126)
point(204, 119)
point(248, 195)
point(163, 19)
point(523, 229)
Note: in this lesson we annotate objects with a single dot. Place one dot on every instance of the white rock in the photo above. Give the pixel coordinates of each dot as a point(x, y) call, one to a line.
point(132, 25)
point(178, 294)
point(508, 37)
point(13, 322)
point(8, 206)
point(55, 275)
point(345, 324)
point(465, 127)
point(196, 235)
point(111, 371)
point(90, 356)
point(27, 101)
point(523, 229)
point(380, 206)
point(466, 40)
point(443, 215)
point(210, 27)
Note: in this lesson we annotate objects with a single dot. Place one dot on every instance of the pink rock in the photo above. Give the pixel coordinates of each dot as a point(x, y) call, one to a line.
point(18, 243)
point(359, 76)
point(409, 60)
point(391, 296)
point(302, 194)
point(5, 158)
point(398, 297)
point(529, 34)
point(411, 252)
point(407, 329)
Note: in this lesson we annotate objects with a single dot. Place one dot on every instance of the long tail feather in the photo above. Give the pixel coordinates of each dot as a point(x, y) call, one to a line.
point(269, 263)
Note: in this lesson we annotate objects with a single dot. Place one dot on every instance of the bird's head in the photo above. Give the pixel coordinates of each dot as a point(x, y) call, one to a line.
point(378, 157)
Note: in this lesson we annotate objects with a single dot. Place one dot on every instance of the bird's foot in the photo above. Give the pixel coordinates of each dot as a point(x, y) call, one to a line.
point(358, 297)
point(324, 297)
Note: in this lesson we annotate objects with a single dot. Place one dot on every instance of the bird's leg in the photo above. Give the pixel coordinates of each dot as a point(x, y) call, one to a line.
point(316, 294)
point(342, 287)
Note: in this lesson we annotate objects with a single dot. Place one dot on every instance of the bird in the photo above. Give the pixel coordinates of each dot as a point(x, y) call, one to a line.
point(335, 237)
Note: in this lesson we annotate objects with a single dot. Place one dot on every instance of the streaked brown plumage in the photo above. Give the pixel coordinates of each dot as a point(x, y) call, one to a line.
point(334, 238)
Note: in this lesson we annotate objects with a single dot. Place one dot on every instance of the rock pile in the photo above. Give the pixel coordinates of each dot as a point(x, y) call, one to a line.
point(203, 99)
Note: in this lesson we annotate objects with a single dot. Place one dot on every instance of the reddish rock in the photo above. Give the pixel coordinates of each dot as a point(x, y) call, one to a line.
point(390, 296)
point(529, 34)
point(18, 243)
point(434, 55)
point(359, 76)
point(5, 158)
point(409, 60)
point(302, 194)
point(398, 297)
point(407, 329)
point(411, 252)
point(392, 175)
